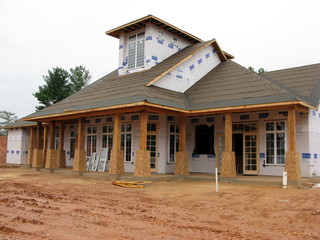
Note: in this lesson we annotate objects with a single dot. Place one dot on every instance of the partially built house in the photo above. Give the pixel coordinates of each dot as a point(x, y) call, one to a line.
point(178, 104)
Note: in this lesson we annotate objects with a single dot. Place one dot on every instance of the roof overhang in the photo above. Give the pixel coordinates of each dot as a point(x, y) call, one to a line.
point(299, 106)
point(140, 23)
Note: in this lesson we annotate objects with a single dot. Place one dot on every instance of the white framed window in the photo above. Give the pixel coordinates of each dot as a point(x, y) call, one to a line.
point(173, 142)
point(136, 50)
point(107, 138)
point(275, 142)
point(126, 141)
point(91, 140)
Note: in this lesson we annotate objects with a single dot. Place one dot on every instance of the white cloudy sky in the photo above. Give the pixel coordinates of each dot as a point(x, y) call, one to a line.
point(37, 35)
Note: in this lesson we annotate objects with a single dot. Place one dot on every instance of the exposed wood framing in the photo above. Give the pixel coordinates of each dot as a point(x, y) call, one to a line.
point(61, 135)
point(32, 135)
point(52, 134)
point(182, 134)
point(117, 132)
point(81, 134)
point(143, 129)
point(292, 130)
point(134, 25)
point(228, 132)
point(39, 136)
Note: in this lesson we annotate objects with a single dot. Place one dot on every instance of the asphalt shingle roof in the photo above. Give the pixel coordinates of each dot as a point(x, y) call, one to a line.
point(227, 85)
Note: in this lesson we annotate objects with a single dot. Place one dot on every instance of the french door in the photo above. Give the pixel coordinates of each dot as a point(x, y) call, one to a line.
point(250, 154)
point(152, 145)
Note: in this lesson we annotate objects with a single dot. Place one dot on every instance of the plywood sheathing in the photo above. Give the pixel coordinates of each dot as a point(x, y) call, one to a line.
point(116, 162)
point(61, 158)
point(292, 166)
point(142, 165)
point(182, 164)
point(52, 159)
point(38, 158)
point(228, 167)
point(79, 163)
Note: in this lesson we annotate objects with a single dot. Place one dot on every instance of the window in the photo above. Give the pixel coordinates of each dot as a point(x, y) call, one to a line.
point(136, 50)
point(73, 135)
point(107, 138)
point(173, 142)
point(204, 142)
point(275, 142)
point(126, 140)
point(91, 140)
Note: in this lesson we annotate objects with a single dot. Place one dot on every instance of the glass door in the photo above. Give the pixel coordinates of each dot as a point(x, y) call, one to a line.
point(250, 164)
point(152, 145)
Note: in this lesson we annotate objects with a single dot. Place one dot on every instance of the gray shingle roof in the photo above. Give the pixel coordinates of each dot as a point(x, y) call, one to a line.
point(227, 85)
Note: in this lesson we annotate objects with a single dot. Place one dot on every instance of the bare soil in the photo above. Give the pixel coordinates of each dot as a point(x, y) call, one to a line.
point(41, 205)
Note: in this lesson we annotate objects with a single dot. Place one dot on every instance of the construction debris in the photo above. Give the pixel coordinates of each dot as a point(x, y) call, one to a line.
point(132, 184)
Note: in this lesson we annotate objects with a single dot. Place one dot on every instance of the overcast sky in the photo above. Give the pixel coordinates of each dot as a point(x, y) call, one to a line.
point(37, 35)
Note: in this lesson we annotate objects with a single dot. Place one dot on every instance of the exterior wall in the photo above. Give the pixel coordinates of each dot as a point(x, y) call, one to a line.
point(311, 158)
point(18, 145)
point(191, 71)
point(157, 47)
point(3, 149)
point(162, 137)
point(305, 141)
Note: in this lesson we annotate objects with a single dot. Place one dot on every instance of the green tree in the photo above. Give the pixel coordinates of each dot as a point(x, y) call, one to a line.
point(260, 70)
point(79, 78)
point(60, 84)
point(6, 117)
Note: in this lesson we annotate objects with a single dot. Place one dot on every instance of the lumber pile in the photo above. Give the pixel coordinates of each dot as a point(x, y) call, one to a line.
point(132, 184)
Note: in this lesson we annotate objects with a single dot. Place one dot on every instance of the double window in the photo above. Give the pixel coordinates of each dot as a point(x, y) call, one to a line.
point(173, 142)
point(136, 50)
point(275, 142)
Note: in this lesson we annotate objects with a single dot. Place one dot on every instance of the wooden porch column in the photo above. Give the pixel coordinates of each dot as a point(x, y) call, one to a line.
point(38, 151)
point(45, 143)
point(79, 163)
point(292, 156)
point(51, 152)
point(228, 166)
point(116, 158)
point(31, 147)
point(182, 164)
point(61, 154)
point(142, 165)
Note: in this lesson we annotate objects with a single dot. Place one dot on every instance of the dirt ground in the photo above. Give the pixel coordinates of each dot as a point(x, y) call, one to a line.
point(41, 205)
